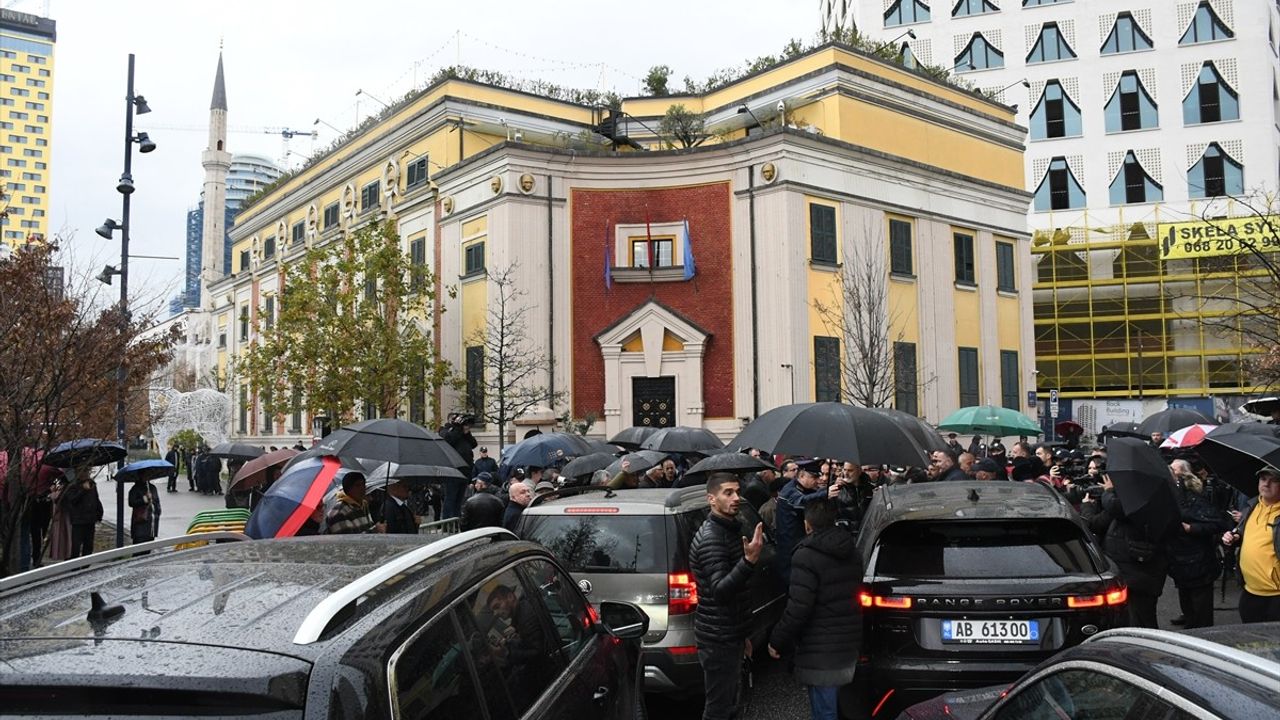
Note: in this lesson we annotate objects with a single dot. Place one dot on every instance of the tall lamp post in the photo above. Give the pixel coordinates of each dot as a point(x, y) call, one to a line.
point(134, 104)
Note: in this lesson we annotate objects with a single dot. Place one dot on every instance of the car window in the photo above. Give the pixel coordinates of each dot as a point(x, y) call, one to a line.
point(432, 676)
point(566, 608)
point(602, 543)
point(520, 654)
point(1086, 695)
point(979, 550)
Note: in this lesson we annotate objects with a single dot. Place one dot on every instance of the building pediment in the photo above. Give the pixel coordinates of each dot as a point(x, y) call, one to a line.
point(652, 331)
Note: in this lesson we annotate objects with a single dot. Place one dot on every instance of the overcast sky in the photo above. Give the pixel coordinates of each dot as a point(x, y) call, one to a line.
point(288, 63)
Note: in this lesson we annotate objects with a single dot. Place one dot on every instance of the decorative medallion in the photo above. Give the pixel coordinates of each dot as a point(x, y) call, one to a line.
point(496, 184)
point(769, 172)
point(527, 183)
point(446, 205)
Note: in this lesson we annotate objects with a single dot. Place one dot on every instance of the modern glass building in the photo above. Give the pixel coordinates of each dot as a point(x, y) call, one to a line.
point(26, 110)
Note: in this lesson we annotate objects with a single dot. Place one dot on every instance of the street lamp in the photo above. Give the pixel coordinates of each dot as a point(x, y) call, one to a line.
point(134, 105)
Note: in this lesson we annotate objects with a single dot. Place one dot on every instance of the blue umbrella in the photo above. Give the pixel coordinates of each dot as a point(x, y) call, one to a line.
point(88, 451)
point(545, 450)
point(144, 470)
point(295, 496)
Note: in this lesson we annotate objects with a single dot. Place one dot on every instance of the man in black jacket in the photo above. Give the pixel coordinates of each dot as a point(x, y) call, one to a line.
point(396, 513)
point(722, 562)
point(820, 617)
point(1143, 560)
point(485, 508)
point(945, 463)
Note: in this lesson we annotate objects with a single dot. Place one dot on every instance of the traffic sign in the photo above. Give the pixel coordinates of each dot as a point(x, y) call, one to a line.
point(1053, 403)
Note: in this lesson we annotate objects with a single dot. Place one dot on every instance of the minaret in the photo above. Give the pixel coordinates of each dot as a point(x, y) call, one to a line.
point(217, 163)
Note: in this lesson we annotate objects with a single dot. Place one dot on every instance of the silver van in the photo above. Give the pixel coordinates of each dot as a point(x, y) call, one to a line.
point(633, 545)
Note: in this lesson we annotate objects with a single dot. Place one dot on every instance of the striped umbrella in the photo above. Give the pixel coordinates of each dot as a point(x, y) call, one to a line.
point(295, 496)
point(1187, 437)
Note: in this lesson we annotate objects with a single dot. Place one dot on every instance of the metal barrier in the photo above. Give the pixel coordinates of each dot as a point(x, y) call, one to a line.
point(441, 527)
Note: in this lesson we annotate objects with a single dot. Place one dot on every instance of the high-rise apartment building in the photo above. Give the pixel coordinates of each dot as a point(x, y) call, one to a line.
point(248, 175)
point(1139, 114)
point(26, 109)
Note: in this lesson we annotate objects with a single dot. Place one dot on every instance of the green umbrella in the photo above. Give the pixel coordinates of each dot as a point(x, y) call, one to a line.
point(989, 420)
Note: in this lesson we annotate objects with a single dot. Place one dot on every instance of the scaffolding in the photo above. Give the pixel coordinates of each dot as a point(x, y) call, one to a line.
point(1112, 320)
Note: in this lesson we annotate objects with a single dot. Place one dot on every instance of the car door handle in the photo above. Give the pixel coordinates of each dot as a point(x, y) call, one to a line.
point(601, 693)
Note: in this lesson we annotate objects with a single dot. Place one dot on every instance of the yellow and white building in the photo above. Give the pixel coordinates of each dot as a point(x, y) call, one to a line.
point(26, 108)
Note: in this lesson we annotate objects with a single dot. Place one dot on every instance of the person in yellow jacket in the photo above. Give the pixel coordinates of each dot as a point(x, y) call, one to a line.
point(1258, 536)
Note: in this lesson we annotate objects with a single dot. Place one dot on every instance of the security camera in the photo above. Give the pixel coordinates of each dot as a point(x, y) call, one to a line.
point(782, 106)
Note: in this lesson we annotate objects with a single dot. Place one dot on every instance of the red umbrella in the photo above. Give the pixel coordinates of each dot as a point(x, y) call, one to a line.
point(1188, 436)
point(1069, 428)
point(256, 471)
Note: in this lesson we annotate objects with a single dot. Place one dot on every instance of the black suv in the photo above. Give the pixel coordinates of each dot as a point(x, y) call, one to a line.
point(634, 545)
point(970, 584)
point(476, 625)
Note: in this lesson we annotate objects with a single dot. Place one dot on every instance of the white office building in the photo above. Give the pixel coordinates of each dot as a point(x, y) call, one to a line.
point(1139, 112)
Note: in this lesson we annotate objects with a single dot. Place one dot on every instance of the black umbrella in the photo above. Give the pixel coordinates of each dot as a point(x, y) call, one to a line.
point(640, 460)
point(551, 449)
point(1237, 457)
point(600, 446)
point(389, 440)
point(1121, 429)
point(924, 434)
point(1143, 485)
point(415, 475)
point(730, 462)
point(1166, 421)
point(832, 430)
point(681, 439)
point(632, 437)
point(237, 451)
point(1249, 428)
point(88, 451)
point(588, 464)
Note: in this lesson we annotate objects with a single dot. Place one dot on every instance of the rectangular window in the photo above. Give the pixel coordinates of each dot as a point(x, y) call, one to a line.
point(244, 323)
point(417, 263)
point(826, 369)
point(475, 379)
point(662, 250)
point(473, 258)
point(20, 92)
point(298, 233)
point(905, 381)
point(330, 215)
point(269, 248)
point(369, 196)
point(295, 419)
point(269, 312)
point(900, 247)
point(244, 260)
point(34, 105)
point(968, 360)
point(243, 424)
point(1005, 273)
point(822, 233)
point(965, 273)
point(268, 418)
point(417, 394)
point(1009, 386)
point(416, 173)
point(32, 82)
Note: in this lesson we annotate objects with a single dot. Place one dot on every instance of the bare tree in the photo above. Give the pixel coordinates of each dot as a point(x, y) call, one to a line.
point(508, 384)
point(862, 316)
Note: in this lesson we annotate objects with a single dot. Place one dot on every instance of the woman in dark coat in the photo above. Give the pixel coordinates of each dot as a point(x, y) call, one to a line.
point(1193, 551)
point(822, 622)
point(81, 504)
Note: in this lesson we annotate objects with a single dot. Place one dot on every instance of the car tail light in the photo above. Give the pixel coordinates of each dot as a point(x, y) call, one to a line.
point(682, 594)
point(880, 704)
point(1119, 596)
point(896, 602)
point(683, 650)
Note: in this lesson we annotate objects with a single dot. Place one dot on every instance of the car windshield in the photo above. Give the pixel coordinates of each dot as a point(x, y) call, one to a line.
point(602, 543)
point(982, 550)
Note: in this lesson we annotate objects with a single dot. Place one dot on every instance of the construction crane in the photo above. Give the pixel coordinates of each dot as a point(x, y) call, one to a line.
point(285, 133)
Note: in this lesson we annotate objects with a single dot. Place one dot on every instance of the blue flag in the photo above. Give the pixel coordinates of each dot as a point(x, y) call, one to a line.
point(689, 269)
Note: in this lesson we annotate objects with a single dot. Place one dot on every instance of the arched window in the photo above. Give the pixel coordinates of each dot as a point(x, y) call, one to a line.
point(1050, 46)
point(1211, 99)
point(973, 7)
point(1055, 115)
point(1132, 184)
point(1130, 106)
point(1059, 190)
point(1126, 36)
point(979, 54)
point(1216, 174)
point(1205, 26)
point(906, 12)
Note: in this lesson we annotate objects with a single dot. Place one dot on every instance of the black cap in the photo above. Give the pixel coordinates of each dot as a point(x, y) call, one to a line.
point(987, 465)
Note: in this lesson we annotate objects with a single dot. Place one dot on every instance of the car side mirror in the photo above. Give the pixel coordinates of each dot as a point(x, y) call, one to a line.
point(623, 620)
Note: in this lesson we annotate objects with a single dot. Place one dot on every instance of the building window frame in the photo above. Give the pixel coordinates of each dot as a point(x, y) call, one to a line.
point(963, 255)
point(1059, 189)
point(1050, 46)
point(1006, 267)
point(1211, 98)
point(1010, 380)
point(415, 173)
point(901, 233)
point(1215, 174)
point(369, 193)
point(474, 378)
point(979, 54)
point(824, 234)
point(1055, 115)
point(969, 375)
point(1132, 185)
point(907, 12)
point(1126, 36)
point(1205, 27)
point(826, 369)
point(906, 395)
point(330, 216)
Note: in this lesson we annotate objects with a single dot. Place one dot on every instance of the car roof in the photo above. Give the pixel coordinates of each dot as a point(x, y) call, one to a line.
point(973, 500)
point(1254, 646)
point(253, 595)
point(638, 501)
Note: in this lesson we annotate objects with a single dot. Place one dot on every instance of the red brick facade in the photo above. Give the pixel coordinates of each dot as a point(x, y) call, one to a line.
point(706, 300)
